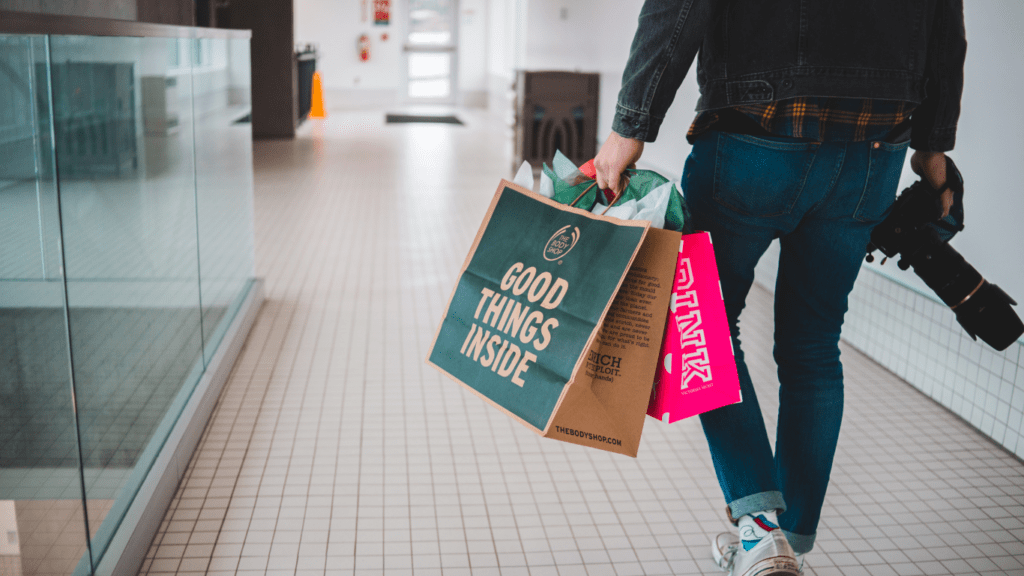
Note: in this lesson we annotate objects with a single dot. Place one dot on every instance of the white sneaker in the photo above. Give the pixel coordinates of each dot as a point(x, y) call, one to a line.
point(772, 556)
point(723, 549)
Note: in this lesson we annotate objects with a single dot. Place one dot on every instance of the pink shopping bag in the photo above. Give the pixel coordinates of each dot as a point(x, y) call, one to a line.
point(697, 367)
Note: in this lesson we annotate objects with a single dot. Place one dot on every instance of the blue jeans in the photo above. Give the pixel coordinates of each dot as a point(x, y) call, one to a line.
point(821, 200)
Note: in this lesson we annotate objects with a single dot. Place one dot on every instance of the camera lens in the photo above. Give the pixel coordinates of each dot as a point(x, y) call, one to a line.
point(988, 315)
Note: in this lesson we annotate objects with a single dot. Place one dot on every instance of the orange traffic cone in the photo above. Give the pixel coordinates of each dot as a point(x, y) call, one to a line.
point(316, 107)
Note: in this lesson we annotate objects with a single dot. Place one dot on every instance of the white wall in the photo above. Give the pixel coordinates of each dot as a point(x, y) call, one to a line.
point(989, 148)
point(336, 26)
point(506, 52)
point(473, 26)
point(576, 35)
point(499, 36)
point(595, 36)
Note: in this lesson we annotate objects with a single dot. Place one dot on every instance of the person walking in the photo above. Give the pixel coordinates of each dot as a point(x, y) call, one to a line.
point(804, 119)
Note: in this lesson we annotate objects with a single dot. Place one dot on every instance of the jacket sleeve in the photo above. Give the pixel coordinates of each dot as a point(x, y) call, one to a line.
point(934, 120)
point(668, 35)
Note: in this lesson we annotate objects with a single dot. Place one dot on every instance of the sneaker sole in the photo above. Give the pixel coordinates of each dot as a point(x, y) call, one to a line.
point(777, 566)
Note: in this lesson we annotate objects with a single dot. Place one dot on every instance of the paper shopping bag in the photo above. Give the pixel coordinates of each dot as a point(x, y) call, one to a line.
point(525, 316)
point(697, 368)
point(621, 364)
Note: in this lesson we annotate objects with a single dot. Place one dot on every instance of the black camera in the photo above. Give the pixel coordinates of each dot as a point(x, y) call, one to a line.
point(916, 230)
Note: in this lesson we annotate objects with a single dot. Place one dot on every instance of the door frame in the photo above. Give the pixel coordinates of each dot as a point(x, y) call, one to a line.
point(453, 49)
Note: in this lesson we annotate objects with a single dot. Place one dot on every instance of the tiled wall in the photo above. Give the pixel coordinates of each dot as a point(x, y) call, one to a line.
point(911, 333)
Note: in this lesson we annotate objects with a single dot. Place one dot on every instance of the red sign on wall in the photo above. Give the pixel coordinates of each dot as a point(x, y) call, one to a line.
point(381, 11)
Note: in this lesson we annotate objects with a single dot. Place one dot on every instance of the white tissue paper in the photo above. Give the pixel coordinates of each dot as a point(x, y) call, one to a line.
point(547, 186)
point(524, 177)
point(653, 206)
point(566, 170)
point(623, 210)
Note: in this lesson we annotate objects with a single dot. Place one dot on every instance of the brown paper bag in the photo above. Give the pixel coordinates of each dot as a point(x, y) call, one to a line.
point(605, 406)
point(557, 318)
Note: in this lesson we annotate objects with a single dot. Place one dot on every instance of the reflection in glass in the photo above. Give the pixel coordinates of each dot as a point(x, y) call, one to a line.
point(127, 179)
point(125, 174)
point(223, 183)
point(42, 518)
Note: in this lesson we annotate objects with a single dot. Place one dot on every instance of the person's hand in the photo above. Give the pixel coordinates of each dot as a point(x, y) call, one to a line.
point(932, 167)
point(617, 154)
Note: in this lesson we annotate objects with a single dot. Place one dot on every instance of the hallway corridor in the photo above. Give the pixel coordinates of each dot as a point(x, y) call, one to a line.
point(335, 450)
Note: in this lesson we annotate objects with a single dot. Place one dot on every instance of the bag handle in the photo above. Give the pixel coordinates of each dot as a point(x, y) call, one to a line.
point(610, 204)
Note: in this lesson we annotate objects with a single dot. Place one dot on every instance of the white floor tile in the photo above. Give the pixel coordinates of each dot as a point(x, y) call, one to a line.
point(335, 450)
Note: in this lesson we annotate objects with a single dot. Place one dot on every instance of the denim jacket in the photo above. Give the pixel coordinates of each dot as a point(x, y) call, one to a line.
point(763, 50)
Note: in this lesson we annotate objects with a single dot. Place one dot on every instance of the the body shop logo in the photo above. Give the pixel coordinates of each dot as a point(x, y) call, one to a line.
point(561, 242)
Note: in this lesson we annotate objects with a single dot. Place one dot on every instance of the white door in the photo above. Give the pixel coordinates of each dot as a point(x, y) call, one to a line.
point(431, 52)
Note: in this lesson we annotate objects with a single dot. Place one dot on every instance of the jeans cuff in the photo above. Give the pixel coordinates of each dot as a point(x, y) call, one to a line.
point(801, 543)
point(756, 503)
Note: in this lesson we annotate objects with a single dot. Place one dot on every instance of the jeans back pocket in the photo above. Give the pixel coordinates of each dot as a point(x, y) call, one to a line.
point(761, 176)
point(885, 165)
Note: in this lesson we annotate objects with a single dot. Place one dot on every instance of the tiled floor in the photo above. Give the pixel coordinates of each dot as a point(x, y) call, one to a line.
point(335, 450)
point(130, 364)
point(50, 537)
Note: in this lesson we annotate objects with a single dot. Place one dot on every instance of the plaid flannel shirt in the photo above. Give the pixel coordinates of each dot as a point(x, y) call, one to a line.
point(818, 118)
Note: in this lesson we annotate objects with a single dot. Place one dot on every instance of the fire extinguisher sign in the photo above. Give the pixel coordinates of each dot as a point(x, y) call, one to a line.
point(364, 48)
point(381, 12)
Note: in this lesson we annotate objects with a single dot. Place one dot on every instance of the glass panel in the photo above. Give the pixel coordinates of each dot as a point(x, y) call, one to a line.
point(429, 65)
point(429, 73)
point(42, 517)
point(125, 159)
point(430, 22)
point(223, 183)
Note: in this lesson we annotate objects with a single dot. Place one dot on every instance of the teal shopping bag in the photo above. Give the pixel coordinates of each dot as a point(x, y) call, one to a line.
point(533, 292)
